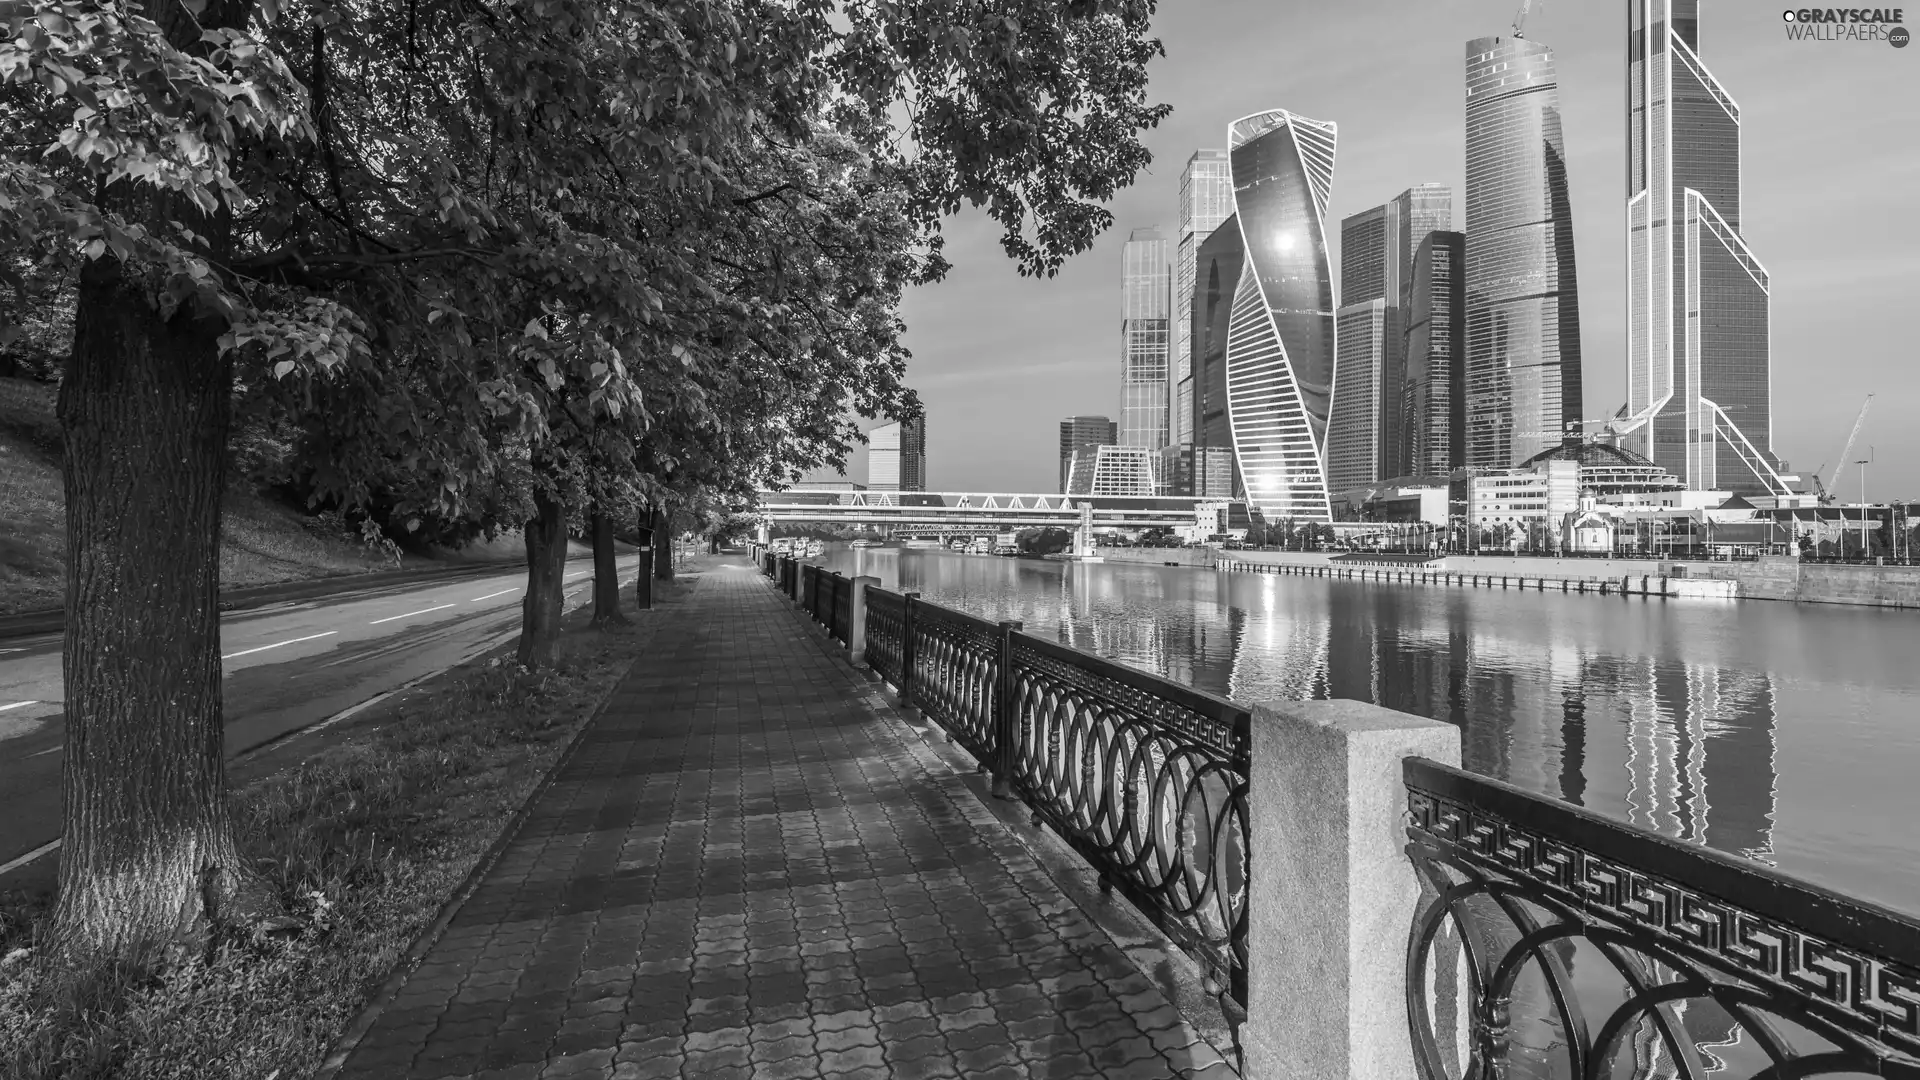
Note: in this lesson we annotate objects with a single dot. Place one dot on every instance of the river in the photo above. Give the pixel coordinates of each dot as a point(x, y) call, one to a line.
point(1785, 733)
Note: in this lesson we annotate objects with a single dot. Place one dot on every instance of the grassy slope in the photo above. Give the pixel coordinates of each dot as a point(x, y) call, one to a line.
point(262, 542)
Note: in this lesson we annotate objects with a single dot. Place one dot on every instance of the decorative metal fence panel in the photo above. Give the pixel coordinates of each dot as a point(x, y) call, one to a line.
point(1558, 943)
point(955, 668)
point(886, 633)
point(842, 625)
point(829, 601)
point(1147, 779)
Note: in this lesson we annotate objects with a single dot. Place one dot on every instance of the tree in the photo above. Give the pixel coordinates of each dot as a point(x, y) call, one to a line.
point(437, 185)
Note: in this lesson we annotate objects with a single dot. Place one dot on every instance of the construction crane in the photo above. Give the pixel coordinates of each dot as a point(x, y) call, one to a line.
point(1827, 489)
point(1520, 19)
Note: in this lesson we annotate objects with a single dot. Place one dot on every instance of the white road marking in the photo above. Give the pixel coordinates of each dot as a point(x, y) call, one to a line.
point(581, 574)
point(277, 644)
point(16, 705)
point(44, 753)
point(44, 849)
point(491, 595)
point(3, 651)
point(409, 614)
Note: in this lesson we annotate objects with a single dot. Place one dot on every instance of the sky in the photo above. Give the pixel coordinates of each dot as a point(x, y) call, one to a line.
point(1829, 168)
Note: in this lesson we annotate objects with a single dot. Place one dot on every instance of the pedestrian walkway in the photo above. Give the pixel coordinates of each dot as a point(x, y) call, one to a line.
point(749, 869)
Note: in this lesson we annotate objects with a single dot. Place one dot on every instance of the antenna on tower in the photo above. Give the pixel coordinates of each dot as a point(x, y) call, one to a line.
point(1520, 19)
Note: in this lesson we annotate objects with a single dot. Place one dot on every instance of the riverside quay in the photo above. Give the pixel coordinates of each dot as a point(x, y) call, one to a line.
point(1331, 895)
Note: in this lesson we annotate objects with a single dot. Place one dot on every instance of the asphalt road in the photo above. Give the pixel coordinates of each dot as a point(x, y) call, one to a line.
point(288, 667)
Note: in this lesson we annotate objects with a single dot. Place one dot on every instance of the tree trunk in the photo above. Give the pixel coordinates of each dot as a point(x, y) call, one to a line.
point(662, 544)
point(542, 606)
point(147, 852)
point(606, 575)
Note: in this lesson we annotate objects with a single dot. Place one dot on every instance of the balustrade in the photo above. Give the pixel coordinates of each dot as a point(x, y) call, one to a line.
point(1543, 940)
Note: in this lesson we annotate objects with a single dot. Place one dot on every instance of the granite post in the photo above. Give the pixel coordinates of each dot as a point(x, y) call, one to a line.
point(1332, 894)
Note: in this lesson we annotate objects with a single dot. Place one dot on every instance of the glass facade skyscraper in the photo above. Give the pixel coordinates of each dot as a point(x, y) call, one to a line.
point(1148, 292)
point(1079, 431)
point(1359, 424)
point(1376, 265)
point(1216, 274)
point(897, 456)
point(1206, 200)
point(1699, 379)
point(1523, 310)
point(1280, 332)
point(1434, 410)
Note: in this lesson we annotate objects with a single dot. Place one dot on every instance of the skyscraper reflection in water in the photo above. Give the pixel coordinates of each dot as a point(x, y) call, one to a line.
point(1588, 701)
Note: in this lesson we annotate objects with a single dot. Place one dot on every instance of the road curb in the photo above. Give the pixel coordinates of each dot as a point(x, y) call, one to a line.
point(356, 1031)
point(37, 623)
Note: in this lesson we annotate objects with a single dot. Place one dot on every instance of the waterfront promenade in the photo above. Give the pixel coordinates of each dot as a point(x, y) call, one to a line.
point(749, 866)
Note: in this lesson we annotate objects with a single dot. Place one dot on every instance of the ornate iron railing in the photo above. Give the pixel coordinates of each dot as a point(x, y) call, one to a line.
point(1147, 779)
point(953, 676)
point(886, 633)
point(1558, 943)
point(841, 625)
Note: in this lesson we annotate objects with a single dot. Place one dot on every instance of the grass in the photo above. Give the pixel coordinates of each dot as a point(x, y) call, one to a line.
point(262, 541)
point(364, 841)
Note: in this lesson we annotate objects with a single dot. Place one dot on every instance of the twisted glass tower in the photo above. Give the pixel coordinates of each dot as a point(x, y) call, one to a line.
point(1280, 333)
point(1699, 390)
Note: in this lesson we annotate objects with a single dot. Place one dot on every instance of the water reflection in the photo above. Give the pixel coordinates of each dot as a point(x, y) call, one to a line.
point(1666, 714)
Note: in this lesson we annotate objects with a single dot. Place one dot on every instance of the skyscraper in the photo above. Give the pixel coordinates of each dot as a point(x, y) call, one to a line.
point(1360, 421)
point(1143, 341)
point(1433, 415)
point(1217, 269)
point(1280, 333)
point(1079, 431)
point(897, 456)
point(1206, 200)
point(1699, 379)
point(1376, 270)
point(1523, 312)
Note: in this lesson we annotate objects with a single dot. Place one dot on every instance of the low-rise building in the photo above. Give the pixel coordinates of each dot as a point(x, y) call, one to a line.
point(1113, 470)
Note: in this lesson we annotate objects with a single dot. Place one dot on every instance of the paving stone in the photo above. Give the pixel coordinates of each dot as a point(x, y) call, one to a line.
point(746, 871)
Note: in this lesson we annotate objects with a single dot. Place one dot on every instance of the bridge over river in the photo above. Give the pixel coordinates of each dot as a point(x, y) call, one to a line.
point(995, 510)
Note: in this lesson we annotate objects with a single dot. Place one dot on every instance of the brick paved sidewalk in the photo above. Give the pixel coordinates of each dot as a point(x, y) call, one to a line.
point(747, 871)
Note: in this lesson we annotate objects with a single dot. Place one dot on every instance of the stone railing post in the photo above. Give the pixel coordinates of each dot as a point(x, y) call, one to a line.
point(857, 631)
point(1332, 894)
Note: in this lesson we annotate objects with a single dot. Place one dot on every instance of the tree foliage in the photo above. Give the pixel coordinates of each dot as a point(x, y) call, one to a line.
point(490, 262)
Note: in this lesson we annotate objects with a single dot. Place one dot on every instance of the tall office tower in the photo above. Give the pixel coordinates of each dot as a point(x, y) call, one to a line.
point(1206, 200)
point(1079, 431)
point(1361, 416)
point(1699, 380)
point(1433, 412)
point(1280, 329)
point(1217, 267)
point(1523, 311)
point(897, 456)
point(1213, 473)
point(1376, 267)
point(1143, 342)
